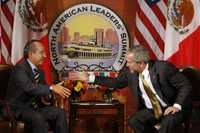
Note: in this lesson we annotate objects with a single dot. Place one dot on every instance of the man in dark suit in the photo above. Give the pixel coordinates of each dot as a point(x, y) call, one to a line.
point(161, 91)
point(26, 87)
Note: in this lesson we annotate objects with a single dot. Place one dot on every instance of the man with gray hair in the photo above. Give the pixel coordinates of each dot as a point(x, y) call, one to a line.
point(160, 90)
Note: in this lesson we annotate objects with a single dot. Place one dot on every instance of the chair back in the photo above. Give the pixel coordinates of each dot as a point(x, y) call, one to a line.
point(193, 75)
point(4, 78)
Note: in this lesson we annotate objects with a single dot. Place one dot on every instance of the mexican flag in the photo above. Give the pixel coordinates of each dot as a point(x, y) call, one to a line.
point(30, 23)
point(182, 41)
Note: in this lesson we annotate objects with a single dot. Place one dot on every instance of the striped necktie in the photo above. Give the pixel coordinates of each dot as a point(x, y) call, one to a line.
point(44, 99)
point(36, 76)
point(154, 101)
point(36, 100)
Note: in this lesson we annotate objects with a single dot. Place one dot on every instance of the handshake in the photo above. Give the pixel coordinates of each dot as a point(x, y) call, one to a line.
point(64, 89)
point(83, 76)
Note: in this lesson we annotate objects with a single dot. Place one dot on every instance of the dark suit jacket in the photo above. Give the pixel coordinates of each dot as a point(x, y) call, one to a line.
point(22, 89)
point(168, 82)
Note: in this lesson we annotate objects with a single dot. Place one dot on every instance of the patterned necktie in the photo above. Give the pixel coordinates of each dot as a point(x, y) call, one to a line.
point(154, 101)
point(37, 80)
point(44, 99)
point(36, 76)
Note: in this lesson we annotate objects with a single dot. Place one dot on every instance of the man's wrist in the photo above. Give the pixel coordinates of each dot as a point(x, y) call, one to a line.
point(91, 78)
point(51, 88)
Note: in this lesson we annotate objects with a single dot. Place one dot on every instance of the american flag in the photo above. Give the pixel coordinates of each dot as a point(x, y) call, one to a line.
point(150, 26)
point(7, 11)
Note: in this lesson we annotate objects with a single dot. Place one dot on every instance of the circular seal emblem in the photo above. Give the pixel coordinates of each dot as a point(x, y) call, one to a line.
point(33, 14)
point(88, 37)
point(180, 14)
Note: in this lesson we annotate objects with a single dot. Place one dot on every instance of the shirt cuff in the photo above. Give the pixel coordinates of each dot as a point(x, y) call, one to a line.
point(176, 105)
point(51, 88)
point(91, 78)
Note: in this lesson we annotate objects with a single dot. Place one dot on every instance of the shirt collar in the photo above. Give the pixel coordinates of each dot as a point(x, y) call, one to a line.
point(146, 70)
point(32, 65)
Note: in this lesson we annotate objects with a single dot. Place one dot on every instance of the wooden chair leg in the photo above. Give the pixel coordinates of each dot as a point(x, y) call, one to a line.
point(13, 126)
point(187, 126)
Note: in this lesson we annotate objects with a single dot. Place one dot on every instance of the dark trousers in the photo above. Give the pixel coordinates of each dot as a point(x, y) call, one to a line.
point(39, 121)
point(143, 122)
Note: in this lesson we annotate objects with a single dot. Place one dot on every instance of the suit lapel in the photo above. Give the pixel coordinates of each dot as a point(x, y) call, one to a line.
point(31, 74)
point(29, 70)
point(154, 76)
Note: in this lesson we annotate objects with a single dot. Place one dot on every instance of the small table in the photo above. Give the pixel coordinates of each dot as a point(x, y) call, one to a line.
point(96, 109)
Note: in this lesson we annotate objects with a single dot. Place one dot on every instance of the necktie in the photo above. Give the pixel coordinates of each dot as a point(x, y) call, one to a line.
point(44, 99)
point(154, 101)
point(37, 80)
point(36, 76)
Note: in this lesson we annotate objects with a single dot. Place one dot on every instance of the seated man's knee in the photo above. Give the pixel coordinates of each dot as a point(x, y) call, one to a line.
point(168, 119)
point(132, 121)
point(171, 121)
point(38, 118)
point(61, 114)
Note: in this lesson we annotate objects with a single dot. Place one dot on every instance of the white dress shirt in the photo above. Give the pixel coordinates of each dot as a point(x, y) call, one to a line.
point(147, 101)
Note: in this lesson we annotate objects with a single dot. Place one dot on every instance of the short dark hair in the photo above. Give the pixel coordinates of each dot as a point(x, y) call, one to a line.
point(30, 46)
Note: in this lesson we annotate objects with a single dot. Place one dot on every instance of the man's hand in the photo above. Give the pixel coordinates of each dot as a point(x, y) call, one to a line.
point(61, 90)
point(171, 110)
point(83, 76)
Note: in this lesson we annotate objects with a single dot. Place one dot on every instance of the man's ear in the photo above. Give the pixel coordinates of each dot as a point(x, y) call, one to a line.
point(142, 64)
point(139, 63)
point(30, 54)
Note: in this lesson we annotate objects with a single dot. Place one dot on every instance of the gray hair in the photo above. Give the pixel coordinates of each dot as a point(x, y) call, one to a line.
point(141, 54)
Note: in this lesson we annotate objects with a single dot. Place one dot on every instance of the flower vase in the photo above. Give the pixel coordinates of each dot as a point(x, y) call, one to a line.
point(75, 96)
point(107, 97)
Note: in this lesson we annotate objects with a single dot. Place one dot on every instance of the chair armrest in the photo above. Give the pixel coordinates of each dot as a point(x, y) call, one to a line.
point(6, 110)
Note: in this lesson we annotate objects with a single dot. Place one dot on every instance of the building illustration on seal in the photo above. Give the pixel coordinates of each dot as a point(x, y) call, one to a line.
point(88, 50)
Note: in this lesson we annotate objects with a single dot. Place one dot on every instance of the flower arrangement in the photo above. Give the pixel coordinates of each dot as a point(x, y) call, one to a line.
point(77, 88)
